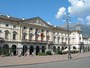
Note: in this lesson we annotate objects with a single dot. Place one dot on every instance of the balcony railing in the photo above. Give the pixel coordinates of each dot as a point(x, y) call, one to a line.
point(36, 41)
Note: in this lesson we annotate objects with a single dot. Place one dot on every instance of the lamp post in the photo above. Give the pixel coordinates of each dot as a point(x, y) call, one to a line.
point(67, 19)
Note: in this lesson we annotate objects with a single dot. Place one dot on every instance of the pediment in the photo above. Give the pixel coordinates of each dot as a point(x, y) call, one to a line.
point(37, 21)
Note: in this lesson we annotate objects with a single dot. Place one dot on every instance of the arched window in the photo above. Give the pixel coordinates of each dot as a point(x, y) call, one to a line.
point(58, 39)
point(14, 35)
point(6, 34)
point(62, 39)
point(54, 38)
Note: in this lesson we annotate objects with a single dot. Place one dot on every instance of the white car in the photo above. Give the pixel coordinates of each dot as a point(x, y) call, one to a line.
point(74, 48)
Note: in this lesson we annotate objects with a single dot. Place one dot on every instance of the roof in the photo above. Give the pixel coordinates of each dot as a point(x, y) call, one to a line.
point(35, 18)
point(7, 17)
point(57, 27)
point(76, 31)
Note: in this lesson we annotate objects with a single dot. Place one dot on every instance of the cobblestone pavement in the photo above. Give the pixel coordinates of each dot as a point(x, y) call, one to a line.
point(15, 60)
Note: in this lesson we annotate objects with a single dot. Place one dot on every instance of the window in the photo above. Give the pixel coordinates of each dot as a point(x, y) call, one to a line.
point(47, 32)
point(66, 39)
point(14, 36)
point(24, 27)
point(6, 35)
point(62, 39)
point(42, 30)
point(58, 39)
point(14, 26)
point(47, 37)
point(54, 38)
point(31, 28)
point(69, 38)
point(42, 36)
point(79, 38)
point(7, 25)
point(24, 36)
point(58, 33)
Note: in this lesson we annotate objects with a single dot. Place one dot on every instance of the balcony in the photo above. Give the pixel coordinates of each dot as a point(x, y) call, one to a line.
point(35, 41)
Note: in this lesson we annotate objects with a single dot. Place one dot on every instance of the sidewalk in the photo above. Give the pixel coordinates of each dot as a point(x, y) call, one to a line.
point(15, 60)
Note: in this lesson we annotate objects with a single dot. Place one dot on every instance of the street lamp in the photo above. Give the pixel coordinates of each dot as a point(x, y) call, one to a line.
point(67, 19)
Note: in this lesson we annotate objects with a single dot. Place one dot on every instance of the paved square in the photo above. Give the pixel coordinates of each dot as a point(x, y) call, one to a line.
point(15, 60)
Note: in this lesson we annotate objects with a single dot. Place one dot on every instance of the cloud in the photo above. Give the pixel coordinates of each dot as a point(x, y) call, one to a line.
point(79, 8)
point(80, 20)
point(88, 20)
point(49, 23)
point(61, 12)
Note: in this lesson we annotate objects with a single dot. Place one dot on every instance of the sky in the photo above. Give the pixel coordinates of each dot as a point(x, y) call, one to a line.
point(51, 11)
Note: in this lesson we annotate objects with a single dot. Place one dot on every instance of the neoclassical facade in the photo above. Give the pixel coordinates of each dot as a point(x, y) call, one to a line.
point(34, 35)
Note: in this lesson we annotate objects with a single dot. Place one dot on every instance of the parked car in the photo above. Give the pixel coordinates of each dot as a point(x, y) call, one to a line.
point(73, 49)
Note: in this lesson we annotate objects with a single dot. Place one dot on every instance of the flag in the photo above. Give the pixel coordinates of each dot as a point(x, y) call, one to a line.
point(42, 35)
point(36, 31)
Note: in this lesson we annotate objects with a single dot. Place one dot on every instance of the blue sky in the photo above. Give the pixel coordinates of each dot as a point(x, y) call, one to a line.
point(46, 9)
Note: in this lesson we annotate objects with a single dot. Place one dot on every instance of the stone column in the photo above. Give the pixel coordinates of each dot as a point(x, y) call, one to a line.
point(19, 52)
point(40, 50)
point(34, 52)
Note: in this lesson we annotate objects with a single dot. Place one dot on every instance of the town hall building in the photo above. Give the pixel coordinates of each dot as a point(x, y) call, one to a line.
point(34, 35)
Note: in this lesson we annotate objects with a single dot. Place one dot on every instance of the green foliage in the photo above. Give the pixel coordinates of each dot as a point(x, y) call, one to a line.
point(59, 52)
point(42, 54)
point(48, 53)
point(4, 52)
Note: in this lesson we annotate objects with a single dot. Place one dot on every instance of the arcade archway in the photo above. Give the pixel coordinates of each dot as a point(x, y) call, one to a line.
point(24, 50)
point(43, 49)
point(54, 49)
point(37, 50)
point(6, 49)
point(31, 49)
point(13, 49)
